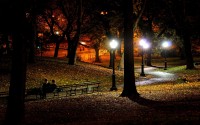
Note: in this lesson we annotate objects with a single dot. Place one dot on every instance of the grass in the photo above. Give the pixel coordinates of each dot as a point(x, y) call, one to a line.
point(63, 73)
point(59, 70)
point(185, 75)
point(162, 103)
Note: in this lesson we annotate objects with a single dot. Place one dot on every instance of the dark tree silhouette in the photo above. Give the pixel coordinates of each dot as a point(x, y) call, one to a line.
point(129, 76)
point(19, 28)
point(181, 15)
point(15, 106)
point(74, 44)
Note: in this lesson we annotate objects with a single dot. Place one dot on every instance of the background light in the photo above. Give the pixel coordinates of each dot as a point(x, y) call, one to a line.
point(144, 43)
point(146, 46)
point(57, 32)
point(113, 44)
point(166, 44)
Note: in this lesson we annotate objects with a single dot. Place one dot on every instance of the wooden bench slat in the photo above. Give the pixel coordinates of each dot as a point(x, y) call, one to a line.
point(4, 93)
point(93, 86)
point(78, 88)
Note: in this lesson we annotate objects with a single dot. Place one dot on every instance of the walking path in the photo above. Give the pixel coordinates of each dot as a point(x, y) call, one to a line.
point(158, 76)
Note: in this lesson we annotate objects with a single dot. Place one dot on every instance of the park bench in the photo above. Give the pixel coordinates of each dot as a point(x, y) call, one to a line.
point(68, 90)
point(84, 88)
point(63, 88)
point(37, 91)
point(78, 88)
point(33, 91)
point(4, 94)
point(92, 87)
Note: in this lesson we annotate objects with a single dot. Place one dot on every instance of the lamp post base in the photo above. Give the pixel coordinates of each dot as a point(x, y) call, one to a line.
point(142, 74)
point(165, 64)
point(142, 70)
point(113, 83)
point(113, 88)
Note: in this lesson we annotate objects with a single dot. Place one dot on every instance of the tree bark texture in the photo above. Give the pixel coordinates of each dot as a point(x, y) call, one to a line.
point(15, 104)
point(129, 89)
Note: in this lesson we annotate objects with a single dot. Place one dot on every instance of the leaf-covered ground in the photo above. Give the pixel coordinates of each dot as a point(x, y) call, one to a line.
point(62, 73)
point(167, 103)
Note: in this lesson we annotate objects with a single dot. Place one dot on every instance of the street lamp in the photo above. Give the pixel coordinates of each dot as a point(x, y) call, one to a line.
point(165, 45)
point(113, 46)
point(143, 43)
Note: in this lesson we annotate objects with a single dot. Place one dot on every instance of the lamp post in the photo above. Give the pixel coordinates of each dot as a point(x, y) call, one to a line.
point(165, 45)
point(113, 46)
point(143, 43)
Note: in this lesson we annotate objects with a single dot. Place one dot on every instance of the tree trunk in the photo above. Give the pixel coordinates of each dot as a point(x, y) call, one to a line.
point(56, 49)
point(183, 26)
point(74, 42)
point(182, 53)
point(148, 59)
point(149, 34)
point(31, 54)
point(121, 64)
point(187, 46)
point(72, 55)
point(129, 89)
point(69, 48)
point(34, 38)
point(97, 59)
point(15, 106)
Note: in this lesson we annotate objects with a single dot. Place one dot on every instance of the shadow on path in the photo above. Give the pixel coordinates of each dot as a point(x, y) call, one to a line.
point(180, 105)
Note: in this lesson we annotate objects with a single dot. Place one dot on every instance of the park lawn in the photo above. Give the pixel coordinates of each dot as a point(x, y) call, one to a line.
point(162, 103)
point(59, 70)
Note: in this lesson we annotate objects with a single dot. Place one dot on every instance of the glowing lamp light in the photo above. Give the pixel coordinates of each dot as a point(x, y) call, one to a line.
point(166, 44)
point(113, 44)
point(57, 32)
point(144, 44)
point(83, 43)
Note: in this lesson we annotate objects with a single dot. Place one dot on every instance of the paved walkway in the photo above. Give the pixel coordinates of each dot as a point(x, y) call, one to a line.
point(158, 76)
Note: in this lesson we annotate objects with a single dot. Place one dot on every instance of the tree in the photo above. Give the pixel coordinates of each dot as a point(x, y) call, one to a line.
point(80, 21)
point(15, 106)
point(138, 9)
point(150, 17)
point(72, 12)
point(182, 12)
point(19, 28)
point(74, 43)
point(105, 24)
point(96, 39)
point(33, 9)
point(179, 15)
point(129, 76)
point(108, 15)
point(51, 16)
